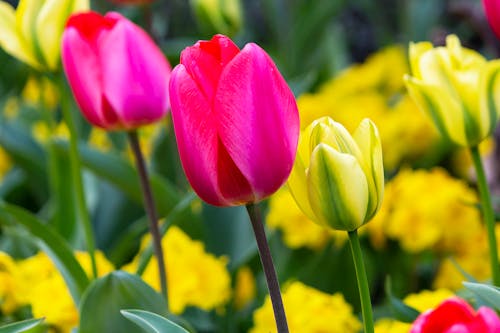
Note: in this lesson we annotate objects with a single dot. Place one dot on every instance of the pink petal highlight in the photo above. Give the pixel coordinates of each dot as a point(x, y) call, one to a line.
point(81, 66)
point(135, 75)
point(258, 120)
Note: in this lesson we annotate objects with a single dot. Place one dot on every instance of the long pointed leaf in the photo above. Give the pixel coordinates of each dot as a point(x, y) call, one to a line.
point(20, 326)
point(51, 243)
point(151, 322)
point(489, 295)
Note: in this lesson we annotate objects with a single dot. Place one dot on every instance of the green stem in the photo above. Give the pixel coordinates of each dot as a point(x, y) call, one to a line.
point(488, 214)
point(76, 173)
point(267, 264)
point(150, 208)
point(364, 291)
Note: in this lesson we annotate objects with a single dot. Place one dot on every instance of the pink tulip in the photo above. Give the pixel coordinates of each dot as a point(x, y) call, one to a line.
point(235, 119)
point(118, 76)
point(455, 315)
point(492, 9)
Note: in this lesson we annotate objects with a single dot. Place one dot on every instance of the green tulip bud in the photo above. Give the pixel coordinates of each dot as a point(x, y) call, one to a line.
point(338, 179)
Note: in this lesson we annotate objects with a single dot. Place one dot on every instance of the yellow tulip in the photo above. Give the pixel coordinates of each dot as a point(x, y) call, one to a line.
point(32, 32)
point(457, 87)
point(338, 179)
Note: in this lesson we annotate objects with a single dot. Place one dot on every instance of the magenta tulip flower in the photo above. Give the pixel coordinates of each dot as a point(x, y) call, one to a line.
point(118, 76)
point(492, 9)
point(456, 315)
point(235, 119)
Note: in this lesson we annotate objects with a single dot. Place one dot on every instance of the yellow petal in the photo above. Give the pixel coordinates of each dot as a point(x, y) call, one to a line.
point(26, 14)
point(337, 188)
point(368, 141)
point(50, 24)
point(415, 53)
point(297, 182)
point(445, 110)
point(10, 40)
point(489, 97)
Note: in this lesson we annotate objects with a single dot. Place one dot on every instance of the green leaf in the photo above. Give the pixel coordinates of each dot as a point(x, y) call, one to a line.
point(101, 304)
point(123, 175)
point(489, 295)
point(400, 310)
point(51, 243)
point(151, 322)
point(20, 326)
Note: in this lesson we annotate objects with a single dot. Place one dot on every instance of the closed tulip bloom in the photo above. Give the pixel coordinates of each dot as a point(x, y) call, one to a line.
point(118, 76)
point(338, 179)
point(32, 32)
point(492, 9)
point(457, 88)
point(456, 315)
point(235, 119)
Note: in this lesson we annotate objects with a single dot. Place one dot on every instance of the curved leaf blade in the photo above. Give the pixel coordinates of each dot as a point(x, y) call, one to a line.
point(488, 294)
point(20, 326)
point(151, 322)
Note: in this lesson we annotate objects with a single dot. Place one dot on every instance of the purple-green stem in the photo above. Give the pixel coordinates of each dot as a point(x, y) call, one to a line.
point(268, 266)
point(150, 208)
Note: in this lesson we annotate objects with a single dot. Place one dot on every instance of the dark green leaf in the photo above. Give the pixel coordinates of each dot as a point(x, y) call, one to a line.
point(400, 310)
point(101, 304)
point(51, 243)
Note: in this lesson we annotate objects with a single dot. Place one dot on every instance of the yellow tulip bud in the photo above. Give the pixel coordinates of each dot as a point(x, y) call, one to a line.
point(457, 87)
point(338, 179)
point(218, 16)
point(32, 32)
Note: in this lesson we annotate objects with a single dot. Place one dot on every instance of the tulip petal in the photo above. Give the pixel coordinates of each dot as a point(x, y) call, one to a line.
point(49, 25)
point(338, 189)
point(444, 110)
point(205, 60)
point(83, 72)
point(258, 119)
point(492, 10)
point(489, 318)
point(368, 141)
point(135, 74)
point(10, 40)
point(451, 312)
point(26, 14)
point(415, 53)
point(201, 152)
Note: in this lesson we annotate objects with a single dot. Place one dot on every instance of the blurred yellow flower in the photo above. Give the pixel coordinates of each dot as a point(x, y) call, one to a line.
point(5, 163)
point(308, 311)
point(11, 107)
point(421, 301)
point(194, 277)
point(42, 133)
point(428, 209)
point(40, 91)
point(375, 90)
point(244, 288)
point(298, 230)
point(32, 32)
point(472, 257)
point(99, 139)
point(36, 281)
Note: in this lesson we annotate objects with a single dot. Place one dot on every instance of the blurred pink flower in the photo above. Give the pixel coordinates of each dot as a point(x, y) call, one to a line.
point(235, 119)
point(455, 315)
point(118, 76)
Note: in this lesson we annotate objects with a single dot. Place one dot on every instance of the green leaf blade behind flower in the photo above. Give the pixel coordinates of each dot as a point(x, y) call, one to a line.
point(151, 322)
point(489, 295)
point(20, 326)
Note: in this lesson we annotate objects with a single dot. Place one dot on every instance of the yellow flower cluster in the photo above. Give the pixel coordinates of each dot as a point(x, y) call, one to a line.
point(244, 287)
point(427, 209)
point(35, 281)
point(422, 301)
point(375, 90)
point(5, 163)
point(298, 230)
point(308, 311)
point(194, 277)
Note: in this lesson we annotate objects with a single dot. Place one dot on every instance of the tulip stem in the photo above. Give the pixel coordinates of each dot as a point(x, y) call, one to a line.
point(76, 172)
point(150, 208)
point(267, 264)
point(364, 291)
point(488, 214)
